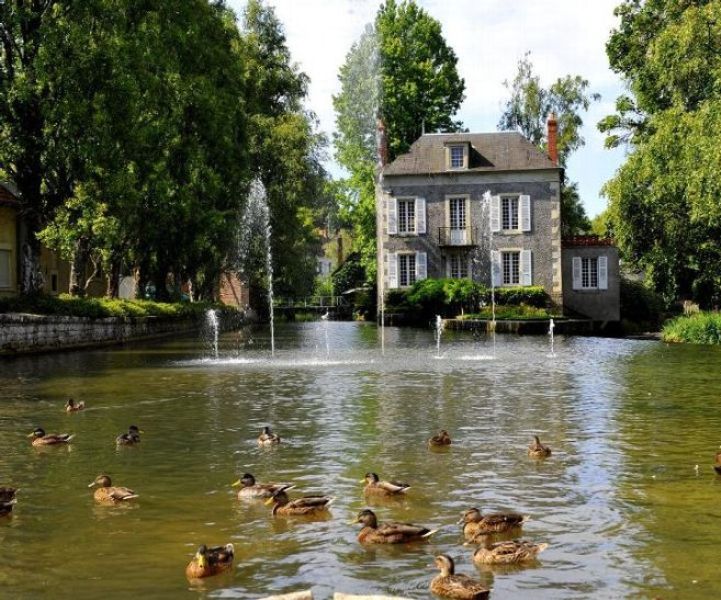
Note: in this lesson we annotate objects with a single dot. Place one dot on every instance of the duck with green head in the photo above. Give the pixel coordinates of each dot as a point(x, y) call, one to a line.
point(40, 438)
point(210, 561)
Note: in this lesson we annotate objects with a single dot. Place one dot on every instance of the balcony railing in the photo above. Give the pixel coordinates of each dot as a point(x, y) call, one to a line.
point(452, 236)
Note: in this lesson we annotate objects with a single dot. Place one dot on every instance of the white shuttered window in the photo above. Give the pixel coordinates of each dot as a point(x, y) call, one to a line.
point(420, 215)
point(392, 270)
point(392, 216)
point(526, 267)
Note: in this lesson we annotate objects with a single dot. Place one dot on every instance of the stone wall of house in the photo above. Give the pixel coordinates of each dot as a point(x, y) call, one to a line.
point(598, 305)
point(22, 333)
point(544, 239)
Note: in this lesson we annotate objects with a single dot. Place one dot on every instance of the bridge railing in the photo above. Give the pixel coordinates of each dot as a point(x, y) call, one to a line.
point(311, 302)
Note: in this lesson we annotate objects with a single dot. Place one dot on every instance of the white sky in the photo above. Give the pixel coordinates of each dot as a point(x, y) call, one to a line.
point(488, 36)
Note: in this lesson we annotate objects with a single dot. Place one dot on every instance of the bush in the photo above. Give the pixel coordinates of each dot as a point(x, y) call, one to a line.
point(700, 328)
point(349, 275)
point(520, 312)
point(533, 295)
point(640, 305)
point(97, 308)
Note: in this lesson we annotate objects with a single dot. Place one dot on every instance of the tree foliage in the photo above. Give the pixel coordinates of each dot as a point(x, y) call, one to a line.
point(664, 205)
point(527, 111)
point(402, 71)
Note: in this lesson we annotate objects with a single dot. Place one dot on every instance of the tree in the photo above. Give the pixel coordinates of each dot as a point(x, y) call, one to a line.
point(402, 71)
point(664, 205)
point(527, 111)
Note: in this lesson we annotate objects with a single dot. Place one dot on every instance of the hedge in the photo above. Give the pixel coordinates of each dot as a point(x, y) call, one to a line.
point(699, 328)
point(66, 305)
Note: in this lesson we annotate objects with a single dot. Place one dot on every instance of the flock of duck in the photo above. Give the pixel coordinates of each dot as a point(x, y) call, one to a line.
point(478, 529)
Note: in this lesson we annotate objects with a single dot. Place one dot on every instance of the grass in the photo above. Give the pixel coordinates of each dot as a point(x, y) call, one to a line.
point(699, 328)
point(512, 313)
point(97, 308)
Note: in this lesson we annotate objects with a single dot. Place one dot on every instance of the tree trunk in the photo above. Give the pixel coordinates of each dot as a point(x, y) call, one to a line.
point(78, 266)
point(113, 290)
point(31, 275)
point(160, 280)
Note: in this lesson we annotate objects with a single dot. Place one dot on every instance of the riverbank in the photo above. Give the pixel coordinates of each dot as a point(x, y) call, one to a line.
point(699, 328)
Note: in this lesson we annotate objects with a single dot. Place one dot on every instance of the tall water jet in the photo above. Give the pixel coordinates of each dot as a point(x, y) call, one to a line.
point(439, 333)
point(211, 317)
point(325, 318)
point(551, 327)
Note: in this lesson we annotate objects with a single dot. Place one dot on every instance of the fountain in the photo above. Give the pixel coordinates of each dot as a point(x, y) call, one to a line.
point(439, 333)
point(325, 318)
point(551, 327)
point(213, 323)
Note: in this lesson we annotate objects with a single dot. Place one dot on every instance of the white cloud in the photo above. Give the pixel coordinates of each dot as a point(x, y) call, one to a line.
point(489, 36)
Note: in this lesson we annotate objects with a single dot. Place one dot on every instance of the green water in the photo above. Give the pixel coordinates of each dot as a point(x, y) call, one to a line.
point(620, 502)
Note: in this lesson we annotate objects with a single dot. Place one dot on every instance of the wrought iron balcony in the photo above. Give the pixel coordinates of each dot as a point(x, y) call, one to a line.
point(451, 236)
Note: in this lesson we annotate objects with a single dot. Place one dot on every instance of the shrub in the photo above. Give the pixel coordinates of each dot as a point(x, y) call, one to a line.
point(522, 311)
point(699, 328)
point(428, 296)
point(349, 275)
point(533, 295)
point(640, 305)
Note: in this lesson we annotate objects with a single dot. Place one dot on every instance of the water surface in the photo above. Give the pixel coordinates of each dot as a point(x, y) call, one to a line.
point(620, 502)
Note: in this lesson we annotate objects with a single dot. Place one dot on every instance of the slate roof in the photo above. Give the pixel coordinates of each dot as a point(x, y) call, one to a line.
point(502, 151)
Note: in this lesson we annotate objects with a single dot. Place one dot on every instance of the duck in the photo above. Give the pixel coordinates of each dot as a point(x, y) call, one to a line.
point(210, 561)
point(307, 505)
point(389, 533)
point(130, 438)
point(268, 438)
point(476, 524)
point(717, 462)
point(49, 439)
point(537, 450)
point(109, 493)
point(376, 487)
point(440, 439)
point(508, 553)
point(251, 489)
point(7, 500)
point(450, 585)
point(72, 406)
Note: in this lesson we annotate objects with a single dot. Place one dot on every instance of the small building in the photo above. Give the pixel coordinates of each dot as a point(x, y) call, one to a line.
point(592, 278)
point(9, 247)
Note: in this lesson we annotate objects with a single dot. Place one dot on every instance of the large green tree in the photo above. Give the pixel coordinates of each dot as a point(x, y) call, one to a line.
point(664, 205)
point(403, 72)
point(527, 111)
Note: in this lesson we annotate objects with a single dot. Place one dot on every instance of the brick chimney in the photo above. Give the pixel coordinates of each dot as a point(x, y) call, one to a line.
point(553, 138)
point(381, 143)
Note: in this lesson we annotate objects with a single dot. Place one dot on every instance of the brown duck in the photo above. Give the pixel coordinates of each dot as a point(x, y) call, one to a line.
point(507, 553)
point(306, 505)
point(251, 489)
point(440, 440)
point(40, 438)
point(72, 406)
point(376, 487)
point(7, 500)
point(210, 561)
point(476, 524)
point(109, 493)
point(389, 533)
point(449, 585)
point(268, 438)
point(537, 450)
point(717, 462)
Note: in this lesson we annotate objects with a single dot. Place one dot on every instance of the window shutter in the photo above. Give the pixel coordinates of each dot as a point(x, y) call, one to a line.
point(495, 213)
point(576, 272)
point(496, 279)
point(421, 266)
point(526, 267)
point(525, 208)
point(420, 215)
point(392, 270)
point(602, 272)
point(392, 216)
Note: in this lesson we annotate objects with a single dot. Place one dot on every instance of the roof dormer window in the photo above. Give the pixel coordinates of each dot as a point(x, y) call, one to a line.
point(457, 156)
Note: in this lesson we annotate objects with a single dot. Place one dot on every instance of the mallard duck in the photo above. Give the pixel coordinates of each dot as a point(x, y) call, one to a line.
point(130, 438)
point(7, 500)
point(537, 450)
point(268, 438)
point(49, 439)
point(440, 439)
point(376, 487)
point(507, 553)
point(307, 505)
point(389, 533)
point(450, 585)
point(251, 489)
point(210, 561)
point(108, 493)
point(717, 462)
point(72, 406)
point(476, 524)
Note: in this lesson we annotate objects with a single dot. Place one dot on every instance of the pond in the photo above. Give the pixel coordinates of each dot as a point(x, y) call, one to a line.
point(624, 509)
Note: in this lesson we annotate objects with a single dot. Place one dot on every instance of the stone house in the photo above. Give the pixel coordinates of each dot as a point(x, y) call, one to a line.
point(484, 206)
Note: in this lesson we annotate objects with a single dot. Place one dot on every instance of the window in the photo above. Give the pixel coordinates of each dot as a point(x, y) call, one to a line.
point(509, 212)
point(406, 216)
point(457, 266)
point(5, 268)
point(589, 273)
point(511, 266)
point(407, 269)
point(457, 213)
point(456, 156)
